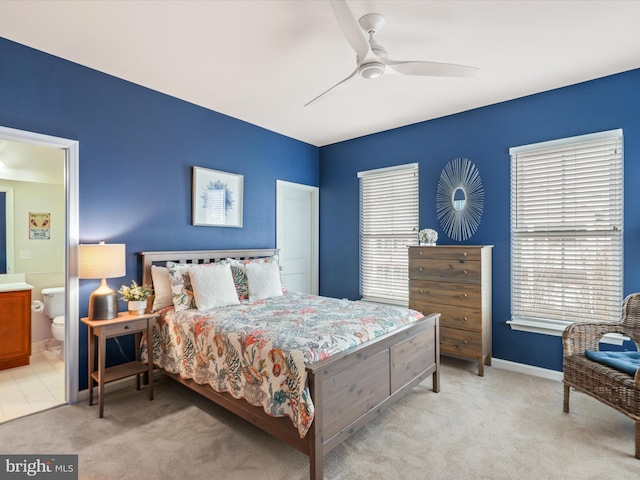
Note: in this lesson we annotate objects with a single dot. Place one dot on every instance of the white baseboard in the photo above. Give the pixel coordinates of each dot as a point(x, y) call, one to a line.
point(527, 369)
point(45, 345)
point(37, 347)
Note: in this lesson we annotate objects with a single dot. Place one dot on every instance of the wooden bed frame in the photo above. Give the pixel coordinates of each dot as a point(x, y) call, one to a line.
point(348, 389)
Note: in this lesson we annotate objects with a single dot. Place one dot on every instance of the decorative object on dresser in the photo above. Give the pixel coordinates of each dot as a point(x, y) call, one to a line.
point(460, 199)
point(455, 281)
point(427, 236)
point(102, 261)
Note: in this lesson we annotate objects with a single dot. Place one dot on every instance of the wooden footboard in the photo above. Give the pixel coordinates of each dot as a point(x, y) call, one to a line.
point(348, 389)
point(352, 388)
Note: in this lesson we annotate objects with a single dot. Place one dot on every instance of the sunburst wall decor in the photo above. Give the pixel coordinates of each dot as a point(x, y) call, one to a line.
point(460, 199)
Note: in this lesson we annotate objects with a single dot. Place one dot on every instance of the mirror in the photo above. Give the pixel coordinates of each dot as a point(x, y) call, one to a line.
point(460, 199)
point(6, 233)
point(3, 232)
point(32, 183)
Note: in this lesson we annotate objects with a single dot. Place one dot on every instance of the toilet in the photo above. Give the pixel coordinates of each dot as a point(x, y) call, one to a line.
point(54, 300)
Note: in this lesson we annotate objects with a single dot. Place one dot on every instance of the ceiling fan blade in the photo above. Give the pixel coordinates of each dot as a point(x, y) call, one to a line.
point(350, 28)
point(336, 87)
point(431, 69)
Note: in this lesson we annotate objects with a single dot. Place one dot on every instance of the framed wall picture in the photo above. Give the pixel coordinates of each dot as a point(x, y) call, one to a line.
point(216, 198)
point(39, 226)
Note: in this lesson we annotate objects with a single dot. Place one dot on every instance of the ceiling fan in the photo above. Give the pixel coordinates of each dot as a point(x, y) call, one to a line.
point(371, 57)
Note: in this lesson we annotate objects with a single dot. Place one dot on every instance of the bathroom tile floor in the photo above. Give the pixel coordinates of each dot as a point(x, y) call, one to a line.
point(33, 387)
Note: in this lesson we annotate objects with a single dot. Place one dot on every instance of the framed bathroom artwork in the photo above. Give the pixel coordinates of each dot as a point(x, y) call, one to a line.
point(216, 198)
point(39, 226)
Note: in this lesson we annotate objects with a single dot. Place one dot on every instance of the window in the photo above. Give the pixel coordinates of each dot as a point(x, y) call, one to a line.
point(388, 225)
point(566, 231)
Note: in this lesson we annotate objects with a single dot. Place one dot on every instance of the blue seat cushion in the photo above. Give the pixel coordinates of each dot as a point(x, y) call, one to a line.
point(627, 362)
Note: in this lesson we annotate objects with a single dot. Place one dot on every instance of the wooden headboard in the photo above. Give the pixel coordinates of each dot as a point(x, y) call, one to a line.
point(195, 256)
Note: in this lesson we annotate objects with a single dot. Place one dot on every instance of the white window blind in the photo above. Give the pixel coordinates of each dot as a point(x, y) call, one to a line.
point(388, 224)
point(566, 229)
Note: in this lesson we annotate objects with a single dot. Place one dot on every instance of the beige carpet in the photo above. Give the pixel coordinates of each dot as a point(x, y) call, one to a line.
point(503, 426)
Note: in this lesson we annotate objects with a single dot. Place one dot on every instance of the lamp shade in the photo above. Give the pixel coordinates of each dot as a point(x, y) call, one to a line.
point(102, 260)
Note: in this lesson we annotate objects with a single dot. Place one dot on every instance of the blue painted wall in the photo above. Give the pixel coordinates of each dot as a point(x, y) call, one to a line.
point(484, 136)
point(137, 148)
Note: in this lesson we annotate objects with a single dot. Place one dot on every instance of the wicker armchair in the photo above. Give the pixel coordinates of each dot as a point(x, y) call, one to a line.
point(617, 389)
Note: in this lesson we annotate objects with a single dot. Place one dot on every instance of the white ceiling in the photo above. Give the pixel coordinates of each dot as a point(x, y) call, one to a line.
point(24, 162)
point(262, 60)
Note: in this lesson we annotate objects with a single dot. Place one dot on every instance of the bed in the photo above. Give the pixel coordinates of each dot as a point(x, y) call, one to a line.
point(347, 389)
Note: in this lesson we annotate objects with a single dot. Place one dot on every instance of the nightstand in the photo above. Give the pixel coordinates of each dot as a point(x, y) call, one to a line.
point(99, 331)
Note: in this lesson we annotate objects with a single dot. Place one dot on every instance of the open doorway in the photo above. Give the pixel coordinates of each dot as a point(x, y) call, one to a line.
point(65, 269)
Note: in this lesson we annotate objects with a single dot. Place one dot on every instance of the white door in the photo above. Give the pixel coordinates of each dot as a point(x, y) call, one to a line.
point(297, 235)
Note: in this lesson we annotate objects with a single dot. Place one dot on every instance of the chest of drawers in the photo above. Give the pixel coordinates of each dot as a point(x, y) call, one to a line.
point(456, 282)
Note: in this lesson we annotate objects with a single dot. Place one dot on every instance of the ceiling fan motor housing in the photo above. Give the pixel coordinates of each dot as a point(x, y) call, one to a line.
point(371, 70)
point(371, 24)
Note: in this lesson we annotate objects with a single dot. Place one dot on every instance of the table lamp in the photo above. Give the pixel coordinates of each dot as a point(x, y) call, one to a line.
point(102, 261)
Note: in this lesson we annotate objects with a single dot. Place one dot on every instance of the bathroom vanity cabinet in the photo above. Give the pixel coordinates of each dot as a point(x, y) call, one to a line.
point(15, 328)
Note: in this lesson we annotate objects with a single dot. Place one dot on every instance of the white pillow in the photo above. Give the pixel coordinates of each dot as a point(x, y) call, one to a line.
point(263, 280)
point(161, 288)
point(213, 286)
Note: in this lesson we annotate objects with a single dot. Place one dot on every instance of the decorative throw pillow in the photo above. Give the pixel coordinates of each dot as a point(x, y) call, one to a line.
point(213, 286)
point(239, 279)
point(239, 271)
point(181, 290)
point(161, 288)
point(263, 279)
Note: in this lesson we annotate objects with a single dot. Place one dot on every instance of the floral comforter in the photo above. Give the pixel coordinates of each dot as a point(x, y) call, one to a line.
point(258, 350)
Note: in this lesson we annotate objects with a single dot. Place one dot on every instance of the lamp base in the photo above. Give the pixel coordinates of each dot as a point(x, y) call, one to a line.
point(103, 303)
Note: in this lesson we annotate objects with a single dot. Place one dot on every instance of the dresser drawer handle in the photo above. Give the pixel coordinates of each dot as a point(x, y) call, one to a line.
point(465, 319)
point(420, 252)
point(127, 327)
point(465, 271)
point(464, 254)
point(421, 269)
point(466, 343)
point(421, 291)
point(465, 295)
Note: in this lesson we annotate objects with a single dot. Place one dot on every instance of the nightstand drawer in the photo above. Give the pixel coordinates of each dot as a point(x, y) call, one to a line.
point(124, 328)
